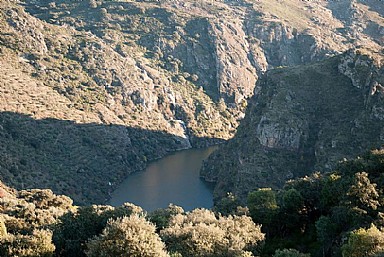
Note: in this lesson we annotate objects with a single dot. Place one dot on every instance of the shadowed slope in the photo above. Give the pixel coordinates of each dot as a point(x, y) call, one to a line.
point(85, 161)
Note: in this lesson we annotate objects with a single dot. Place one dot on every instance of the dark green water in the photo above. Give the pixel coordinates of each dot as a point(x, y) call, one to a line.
point(172, 179)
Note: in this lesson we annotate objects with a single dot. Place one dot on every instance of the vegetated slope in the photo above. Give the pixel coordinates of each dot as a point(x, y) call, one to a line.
point(303, 119)
point(74, 125)
point(96, 89)
point(221, 46)
point(338, 213)
point(37, 222)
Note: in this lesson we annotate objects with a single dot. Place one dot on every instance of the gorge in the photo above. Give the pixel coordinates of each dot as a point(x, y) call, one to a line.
point(109, 102)
point(93, 91)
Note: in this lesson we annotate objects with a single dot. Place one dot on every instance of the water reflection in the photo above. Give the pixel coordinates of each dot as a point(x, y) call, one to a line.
point(172, 179)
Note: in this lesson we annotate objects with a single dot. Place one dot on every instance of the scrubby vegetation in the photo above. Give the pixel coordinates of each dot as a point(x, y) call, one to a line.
point(333, 214)
point(340, 213)
point(39, 223)
point(130, 236)
point(201, 233)
point(80, 99)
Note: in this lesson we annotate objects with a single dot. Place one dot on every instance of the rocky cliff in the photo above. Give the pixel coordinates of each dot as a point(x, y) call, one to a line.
point(102, 87)
point(303, 119)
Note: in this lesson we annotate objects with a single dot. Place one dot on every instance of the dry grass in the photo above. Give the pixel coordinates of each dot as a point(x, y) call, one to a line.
point(371, 14)
point(293, 12)
point(22, 94)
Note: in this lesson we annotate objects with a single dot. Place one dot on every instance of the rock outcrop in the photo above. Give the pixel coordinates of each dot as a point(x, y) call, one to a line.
point(303, 119)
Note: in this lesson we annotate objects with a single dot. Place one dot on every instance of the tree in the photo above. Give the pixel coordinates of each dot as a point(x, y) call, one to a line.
point(75, 228)
point(262, 205)
point(364, 243)
point(3, 228)
point(309, 186)
point(104, 13)
point(39, 244)
point(289, 253)
point(331, 192)
point(326, 233)
point(227, 205)
point(45, 199)
point(363, 193)
point(128, 236)
point(293, 200)
point(93, 3)
point(201, 233)
point(161, 217)
point(292, 209)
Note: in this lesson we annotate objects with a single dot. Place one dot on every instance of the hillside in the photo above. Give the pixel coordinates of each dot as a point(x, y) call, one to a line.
point(303, 119)
point(93, 90)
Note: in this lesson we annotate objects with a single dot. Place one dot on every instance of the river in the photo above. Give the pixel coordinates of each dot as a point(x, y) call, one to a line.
point(172, 179)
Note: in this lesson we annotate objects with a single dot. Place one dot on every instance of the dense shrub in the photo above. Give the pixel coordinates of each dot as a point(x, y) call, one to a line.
point(75, 228)
point(289, 253)
point(364, 243)
point(128, 236)
point(39, 244)
point(161, 217)
point(315, 213)
point(201, 233)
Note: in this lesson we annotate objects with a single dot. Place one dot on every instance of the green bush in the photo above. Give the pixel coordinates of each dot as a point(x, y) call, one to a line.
point(75, 228)
point(39, 244)
point(262, 205)
point(364, 243)
point(161, 217)
point(128, 236)
point(289, 253)
point(201, 233)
